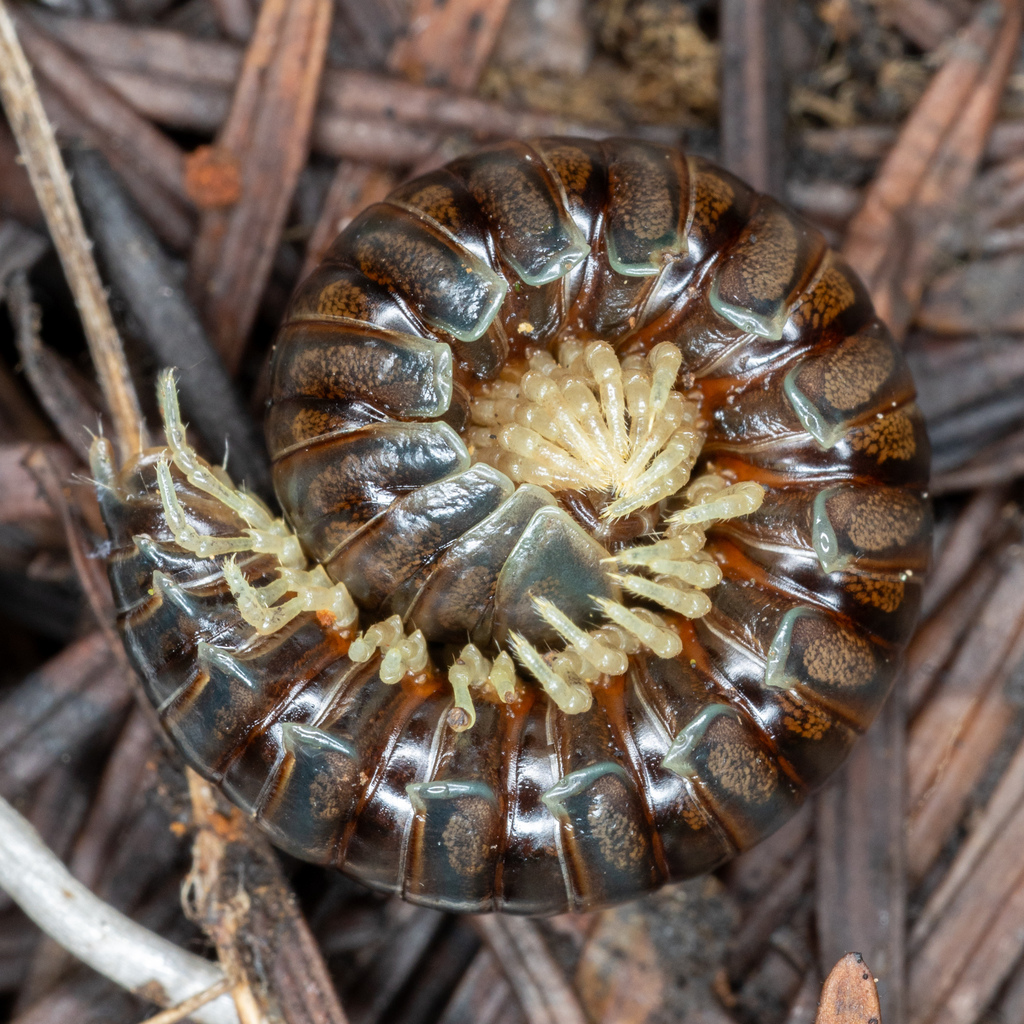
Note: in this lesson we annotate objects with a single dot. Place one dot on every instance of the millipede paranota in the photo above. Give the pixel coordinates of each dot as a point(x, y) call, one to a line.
point(604, 527)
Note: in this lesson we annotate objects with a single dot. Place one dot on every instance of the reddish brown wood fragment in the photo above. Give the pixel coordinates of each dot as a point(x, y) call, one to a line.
point(449, 43)
point(893, 239)
point(849, 995)
point(267, 133)
point(212, 177)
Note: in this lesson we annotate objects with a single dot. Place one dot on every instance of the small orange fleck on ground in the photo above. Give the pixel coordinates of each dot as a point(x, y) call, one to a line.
point(178, 828)
point(212, 177)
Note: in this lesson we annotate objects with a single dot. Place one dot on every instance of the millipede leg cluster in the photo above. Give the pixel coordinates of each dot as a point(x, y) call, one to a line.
point(603, 529)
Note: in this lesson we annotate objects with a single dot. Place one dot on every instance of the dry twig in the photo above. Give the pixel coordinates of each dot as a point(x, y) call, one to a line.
point(50, 180)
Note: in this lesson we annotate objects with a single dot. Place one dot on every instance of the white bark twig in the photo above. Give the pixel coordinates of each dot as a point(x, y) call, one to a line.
point(109, 942)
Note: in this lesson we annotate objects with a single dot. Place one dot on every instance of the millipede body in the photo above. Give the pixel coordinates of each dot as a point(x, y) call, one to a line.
point(604, 528)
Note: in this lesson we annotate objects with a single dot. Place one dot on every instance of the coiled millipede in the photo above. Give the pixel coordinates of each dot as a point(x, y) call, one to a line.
point(604, 526)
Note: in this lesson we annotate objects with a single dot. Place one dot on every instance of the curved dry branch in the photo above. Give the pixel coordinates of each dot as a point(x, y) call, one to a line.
point(109, 942)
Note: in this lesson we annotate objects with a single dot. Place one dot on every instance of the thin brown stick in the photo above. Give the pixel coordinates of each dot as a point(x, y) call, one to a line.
point(861, 855)
point(268, 133)
point(53, 188)
point(186, 1008)
point(753, 104)
point(893, 238)
point(546, 997)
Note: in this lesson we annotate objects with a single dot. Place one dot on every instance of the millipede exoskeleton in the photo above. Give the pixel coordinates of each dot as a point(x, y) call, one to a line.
point(604, 526)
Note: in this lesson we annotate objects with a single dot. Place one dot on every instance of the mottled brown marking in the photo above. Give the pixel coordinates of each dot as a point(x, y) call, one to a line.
point(840, 659)
point(884, 520)
point(343, 298)
point(891, 437)
point(619, 841)
point(885, 595)
point(327, 799)
point(767, 259)
point(713, 196)
point(505, 191)
point(465, 837)
point(737, 764)
point(643, 206)
point(572, 165)
point(438, 202)
point(803, 719)
point(831, 295)
point(852, 374)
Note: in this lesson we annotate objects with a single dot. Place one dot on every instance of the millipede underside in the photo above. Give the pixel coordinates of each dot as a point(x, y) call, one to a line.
point(605, 524)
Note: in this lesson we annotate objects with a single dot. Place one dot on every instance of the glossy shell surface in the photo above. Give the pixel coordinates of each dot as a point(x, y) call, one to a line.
point(679, 762)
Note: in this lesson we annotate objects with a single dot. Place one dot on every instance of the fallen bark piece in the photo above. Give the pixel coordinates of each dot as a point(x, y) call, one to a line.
point(449, 43)
point(849, 995)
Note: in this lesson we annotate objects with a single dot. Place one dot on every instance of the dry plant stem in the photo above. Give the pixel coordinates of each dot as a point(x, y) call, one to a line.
point(961, 718)
point(237, 894)
point(805, 1003)
point(753, 103)
point(73, 416)
point(96, 841)
point(926, 23)
point(168, 217)
point(267, 132)
point(187, 1007)
point(999, 817)
point(849, 995)
point(52, 476)
point(861, 886)
point(481, 994)
point(50, 180)
point(235, 18)
point(170, 329)
point(935, 819)
point(977, 938)
point(1000, 463)
point(107, 941)
point(972, 531)
point(145, 148)
point(936, 640)
point(57, 710)
point(187, 83)
point(405, 943)
point(931, 164)
point(220, 914)
point(948, 177)
point(749, 941)
point(544, 994)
